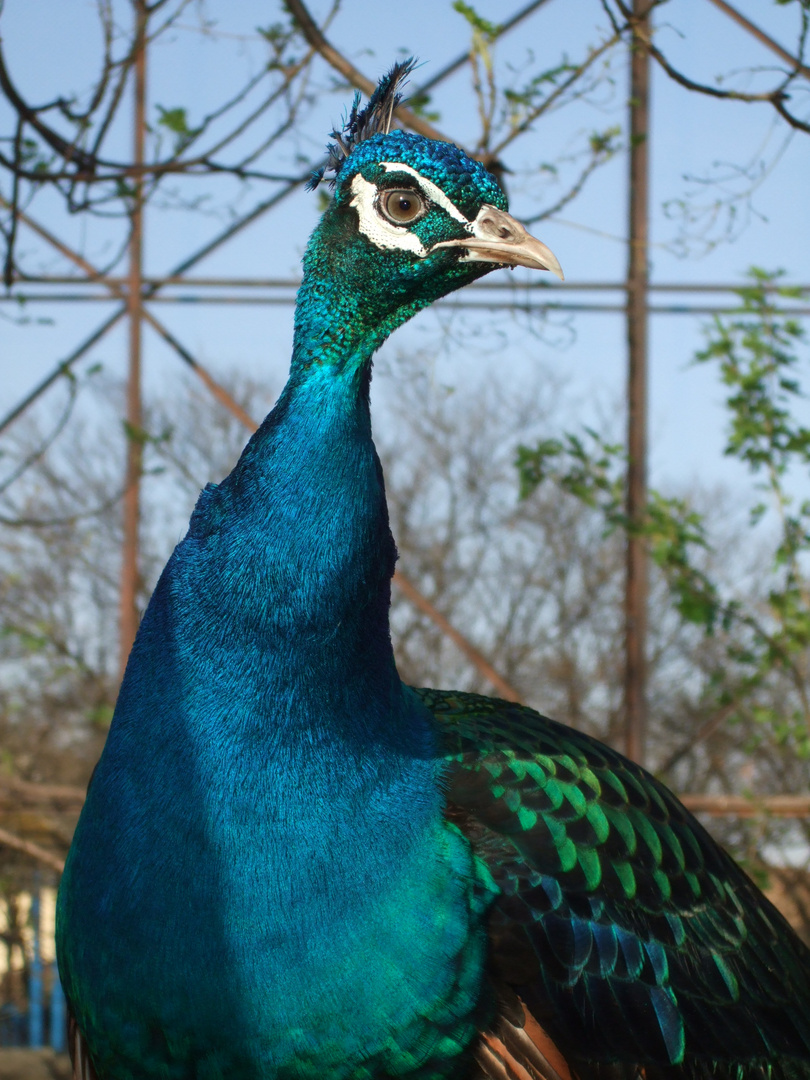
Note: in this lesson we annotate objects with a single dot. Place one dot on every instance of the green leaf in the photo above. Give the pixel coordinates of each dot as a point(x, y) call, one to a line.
point(176, 121)
point(488, 30)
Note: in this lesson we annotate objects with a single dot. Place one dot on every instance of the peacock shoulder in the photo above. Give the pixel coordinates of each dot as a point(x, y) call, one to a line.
point(621, 923)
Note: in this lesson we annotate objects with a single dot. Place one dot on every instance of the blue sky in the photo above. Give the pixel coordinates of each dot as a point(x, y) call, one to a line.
point(51, 48)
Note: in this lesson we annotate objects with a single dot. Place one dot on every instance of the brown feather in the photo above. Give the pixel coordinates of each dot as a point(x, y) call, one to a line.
point(517, 1048)
point(82, 1066)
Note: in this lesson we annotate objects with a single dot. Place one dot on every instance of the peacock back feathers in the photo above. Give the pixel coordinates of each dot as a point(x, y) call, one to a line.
point(620, 922)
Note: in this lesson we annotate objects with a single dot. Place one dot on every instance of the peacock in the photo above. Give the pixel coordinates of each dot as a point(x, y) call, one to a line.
point(292, 866)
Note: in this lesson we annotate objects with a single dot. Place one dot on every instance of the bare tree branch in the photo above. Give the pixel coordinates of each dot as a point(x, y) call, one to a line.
point(707, 728)
point(107, 67)
point(500, 30)
point(37, 454)
point(776, 98)
point(33, 793)
point(68, 151)
point(313, 35)
point(33, 850)
point(779, 105)
point(598, 156)
point(11, 238)
point(82, 167)
point(555, 95)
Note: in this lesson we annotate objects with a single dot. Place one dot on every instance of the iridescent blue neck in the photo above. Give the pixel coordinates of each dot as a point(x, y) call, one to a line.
point(333, 331)
point(303, 526)
point(285, 573)
point(352, 297)
point(284, 578)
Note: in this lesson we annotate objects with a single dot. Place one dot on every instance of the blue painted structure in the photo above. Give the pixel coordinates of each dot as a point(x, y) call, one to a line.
point(35, 986)
point(43, 1021)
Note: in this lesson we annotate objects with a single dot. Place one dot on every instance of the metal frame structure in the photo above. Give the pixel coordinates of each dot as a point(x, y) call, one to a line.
point(135, 294)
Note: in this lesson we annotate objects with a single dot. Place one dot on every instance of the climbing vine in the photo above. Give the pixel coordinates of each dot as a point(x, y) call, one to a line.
point(758, 355)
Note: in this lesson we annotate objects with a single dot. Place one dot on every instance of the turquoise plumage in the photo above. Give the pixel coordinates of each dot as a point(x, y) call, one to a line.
point(292, 866)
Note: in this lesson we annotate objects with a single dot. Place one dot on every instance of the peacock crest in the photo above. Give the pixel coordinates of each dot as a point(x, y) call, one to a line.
point(361, 124)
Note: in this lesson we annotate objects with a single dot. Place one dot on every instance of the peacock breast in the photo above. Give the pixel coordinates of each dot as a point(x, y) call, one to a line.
point(252, 917)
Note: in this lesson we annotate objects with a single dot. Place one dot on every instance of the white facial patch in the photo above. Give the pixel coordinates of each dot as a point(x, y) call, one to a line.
point(383, 233)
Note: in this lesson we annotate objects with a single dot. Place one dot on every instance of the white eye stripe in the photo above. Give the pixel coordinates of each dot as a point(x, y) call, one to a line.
point(381, 233)
point(430, 190)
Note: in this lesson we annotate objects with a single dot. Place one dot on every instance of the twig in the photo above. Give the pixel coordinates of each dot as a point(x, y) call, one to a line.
point(776, 97)
point(65, 149)
point(37, 793)
point(34, 850)
point(86, 167)
point(156, 169)
point(313, 35)
point(596, 160)
point(8, 264)
point(68, 519)
point(706, 729)
point(463, 58)
point(43, 448)
point(554, 95)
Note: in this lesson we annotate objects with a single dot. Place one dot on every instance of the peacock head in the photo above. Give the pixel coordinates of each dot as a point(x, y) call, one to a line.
point(412, 218)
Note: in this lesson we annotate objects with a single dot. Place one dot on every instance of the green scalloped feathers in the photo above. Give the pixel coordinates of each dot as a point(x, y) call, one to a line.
point(623, 926)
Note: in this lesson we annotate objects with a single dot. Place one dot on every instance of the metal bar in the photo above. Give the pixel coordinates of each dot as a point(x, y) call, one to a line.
point(63, 367)
point(219, 391)
point(128, 601)
point(746, 806)
point(473, 305)
point(760, 35)
point(787, 806)
point(636, 585)
point(163, 283)
point(115, 286)
point(109, 281)
point(477, 659)
point(58, 1019)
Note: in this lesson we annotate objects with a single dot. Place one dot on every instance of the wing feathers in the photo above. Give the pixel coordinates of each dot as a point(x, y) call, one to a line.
point(519, 1049)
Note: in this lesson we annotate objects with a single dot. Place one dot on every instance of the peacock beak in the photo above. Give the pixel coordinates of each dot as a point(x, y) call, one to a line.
point(498, 238)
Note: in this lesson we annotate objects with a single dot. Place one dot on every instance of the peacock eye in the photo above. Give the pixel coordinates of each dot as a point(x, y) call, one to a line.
point(401, 206)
